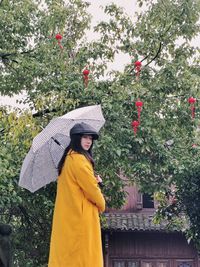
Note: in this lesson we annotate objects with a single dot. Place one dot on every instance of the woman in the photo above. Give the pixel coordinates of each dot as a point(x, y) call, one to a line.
point(76, 232)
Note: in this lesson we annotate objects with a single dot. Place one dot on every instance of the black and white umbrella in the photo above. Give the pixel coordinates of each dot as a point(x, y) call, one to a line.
point(40, 166)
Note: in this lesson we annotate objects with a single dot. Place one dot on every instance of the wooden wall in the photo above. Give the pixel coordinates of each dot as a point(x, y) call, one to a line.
point(142, 246)
point(131, 201)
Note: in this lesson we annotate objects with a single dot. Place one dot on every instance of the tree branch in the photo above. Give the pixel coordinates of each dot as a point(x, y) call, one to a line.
point(145, 57)
point(157, 54)
point(46, 111)
point(25, 214)
point(5, 56)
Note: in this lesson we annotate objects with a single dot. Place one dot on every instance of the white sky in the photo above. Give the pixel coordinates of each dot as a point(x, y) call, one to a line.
point(98, 15)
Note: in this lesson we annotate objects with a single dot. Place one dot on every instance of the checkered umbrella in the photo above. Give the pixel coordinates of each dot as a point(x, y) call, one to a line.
point(40, 166)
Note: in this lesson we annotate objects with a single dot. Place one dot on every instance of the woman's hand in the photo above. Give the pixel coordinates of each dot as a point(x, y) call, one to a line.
point(98, 178)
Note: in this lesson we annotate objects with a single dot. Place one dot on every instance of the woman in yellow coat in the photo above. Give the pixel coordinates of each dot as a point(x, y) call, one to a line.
point(76, 232)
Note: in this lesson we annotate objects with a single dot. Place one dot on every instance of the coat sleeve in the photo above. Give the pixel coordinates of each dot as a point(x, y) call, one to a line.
point(84, 175)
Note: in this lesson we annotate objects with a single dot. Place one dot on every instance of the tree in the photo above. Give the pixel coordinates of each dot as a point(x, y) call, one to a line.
point(165, 153)
point(34, 62)
point(158, 156)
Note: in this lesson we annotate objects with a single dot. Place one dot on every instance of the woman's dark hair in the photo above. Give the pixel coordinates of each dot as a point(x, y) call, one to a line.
point(75, 145)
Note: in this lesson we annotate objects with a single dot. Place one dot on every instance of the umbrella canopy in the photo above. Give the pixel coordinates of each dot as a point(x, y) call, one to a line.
point(40, 164)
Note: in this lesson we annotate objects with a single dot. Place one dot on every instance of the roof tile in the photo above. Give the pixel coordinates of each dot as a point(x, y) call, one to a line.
point(133, 222)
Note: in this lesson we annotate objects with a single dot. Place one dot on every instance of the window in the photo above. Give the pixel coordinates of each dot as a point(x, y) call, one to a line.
point(119, 264)
point(148, 201)
point(144, 201)
point(133, 264)
point(155, 263)
point(147, 264)
point(152, 263)
point(125, 263)
point(162, 264)
point(186, 263)
point(139, 201)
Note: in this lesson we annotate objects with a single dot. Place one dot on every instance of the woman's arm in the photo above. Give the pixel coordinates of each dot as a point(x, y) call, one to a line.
point(84, 175)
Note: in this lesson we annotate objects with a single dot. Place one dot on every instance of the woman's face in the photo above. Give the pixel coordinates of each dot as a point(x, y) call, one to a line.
point(86, 141)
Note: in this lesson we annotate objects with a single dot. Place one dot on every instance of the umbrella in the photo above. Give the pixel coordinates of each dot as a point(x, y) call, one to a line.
point(40, 166)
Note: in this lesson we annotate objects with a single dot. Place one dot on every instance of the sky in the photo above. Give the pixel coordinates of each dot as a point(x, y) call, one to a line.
point(97, 15)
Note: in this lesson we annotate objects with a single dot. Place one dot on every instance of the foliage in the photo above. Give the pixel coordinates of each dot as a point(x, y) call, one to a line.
point(29, 215)
point(182, 204)
point(162, 153)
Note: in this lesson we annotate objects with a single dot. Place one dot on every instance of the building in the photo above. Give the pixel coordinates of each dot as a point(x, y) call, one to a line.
point(131, 239)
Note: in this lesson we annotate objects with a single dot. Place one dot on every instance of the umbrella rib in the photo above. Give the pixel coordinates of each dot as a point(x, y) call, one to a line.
point(53, 162)
point(32, 168)
point(57, 142)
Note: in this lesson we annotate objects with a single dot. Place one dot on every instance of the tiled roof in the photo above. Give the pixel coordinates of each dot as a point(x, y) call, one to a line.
point(133, 222)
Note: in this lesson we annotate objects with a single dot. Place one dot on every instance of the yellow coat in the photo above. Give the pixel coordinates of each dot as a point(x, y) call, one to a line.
point(76, 232)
